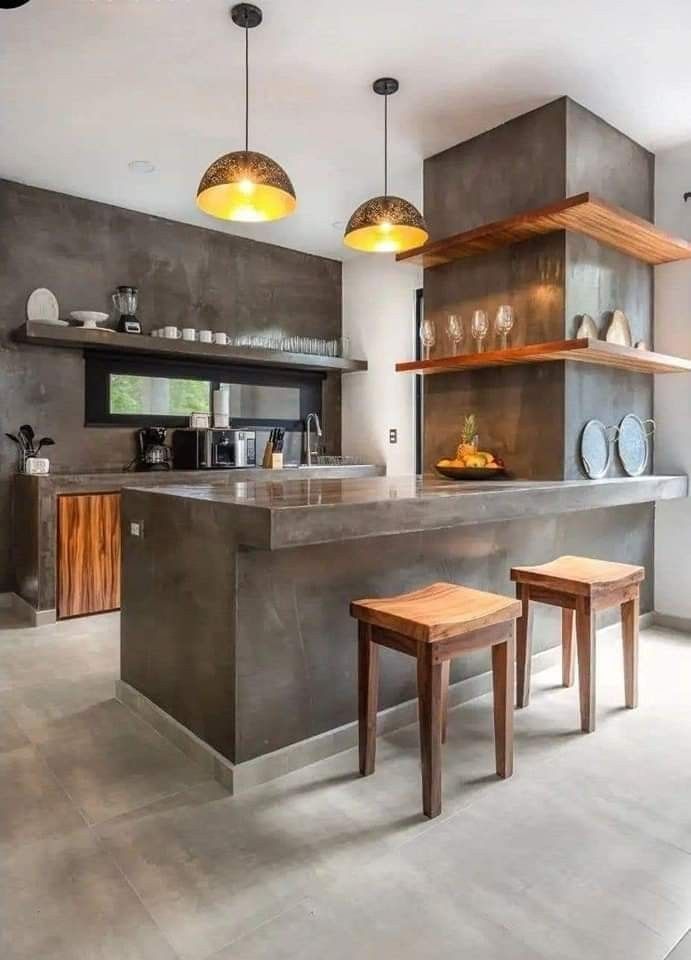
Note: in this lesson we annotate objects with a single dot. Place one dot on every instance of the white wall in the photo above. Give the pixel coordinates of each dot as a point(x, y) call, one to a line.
point(379, 318)
point(673, 392)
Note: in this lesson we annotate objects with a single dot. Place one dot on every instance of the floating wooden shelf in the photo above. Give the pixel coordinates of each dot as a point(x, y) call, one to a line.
point(584, 351)
point(582, 214)
point(77, 338)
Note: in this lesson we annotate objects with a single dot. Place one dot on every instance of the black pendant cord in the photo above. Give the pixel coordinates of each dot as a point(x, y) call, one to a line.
point(247, 88)
point(386, 145)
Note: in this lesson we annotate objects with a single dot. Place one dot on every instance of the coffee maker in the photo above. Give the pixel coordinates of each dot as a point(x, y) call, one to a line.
point(125, 300)
point(152, 452)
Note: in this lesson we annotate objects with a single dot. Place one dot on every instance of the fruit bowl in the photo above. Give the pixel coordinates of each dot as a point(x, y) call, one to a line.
point(470, 473)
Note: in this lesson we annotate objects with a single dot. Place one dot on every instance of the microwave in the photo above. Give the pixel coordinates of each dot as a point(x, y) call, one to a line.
point(213, 449)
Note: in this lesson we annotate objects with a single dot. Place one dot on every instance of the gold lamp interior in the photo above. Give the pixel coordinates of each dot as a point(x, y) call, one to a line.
point(385, 225)
point(248, 187)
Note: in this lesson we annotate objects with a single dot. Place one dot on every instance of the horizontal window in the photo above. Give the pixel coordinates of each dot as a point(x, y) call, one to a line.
point(163, 396)
point(128, 391)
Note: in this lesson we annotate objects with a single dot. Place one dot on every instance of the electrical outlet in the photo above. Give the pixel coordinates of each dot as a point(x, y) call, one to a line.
point(393, 435)
point(136, 529)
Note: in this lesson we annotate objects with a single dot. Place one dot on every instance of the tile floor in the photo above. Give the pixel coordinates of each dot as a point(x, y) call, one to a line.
point(114, 847)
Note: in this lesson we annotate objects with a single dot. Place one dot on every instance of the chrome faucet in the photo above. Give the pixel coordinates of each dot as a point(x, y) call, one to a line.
point(309, 420)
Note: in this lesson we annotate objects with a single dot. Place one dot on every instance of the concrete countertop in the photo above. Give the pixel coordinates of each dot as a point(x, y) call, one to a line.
point(290, 512)
point(103, 480)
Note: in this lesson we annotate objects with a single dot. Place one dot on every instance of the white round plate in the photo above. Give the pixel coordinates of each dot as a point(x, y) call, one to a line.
point(89, 316)
point(42, 306)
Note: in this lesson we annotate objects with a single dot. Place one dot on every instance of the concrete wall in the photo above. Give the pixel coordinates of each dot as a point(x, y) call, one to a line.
point(379, 318)
point(672, 393)
point(187, 276)
point(533, 416)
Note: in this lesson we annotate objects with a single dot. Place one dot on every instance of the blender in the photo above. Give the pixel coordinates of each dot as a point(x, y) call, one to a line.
point(125, 300)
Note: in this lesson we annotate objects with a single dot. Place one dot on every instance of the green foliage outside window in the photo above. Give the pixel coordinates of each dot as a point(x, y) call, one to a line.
point(131, 394)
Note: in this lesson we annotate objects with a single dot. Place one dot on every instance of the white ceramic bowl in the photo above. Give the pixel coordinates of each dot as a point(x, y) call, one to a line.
point(89, 318)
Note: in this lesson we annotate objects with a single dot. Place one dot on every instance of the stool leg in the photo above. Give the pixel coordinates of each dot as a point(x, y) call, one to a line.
point(503, 659)
point(445, 680)
point(629, 630)
point(429, 691)
point(585, 638)
point(368, 683)
point(568, 648)
point(524, 639)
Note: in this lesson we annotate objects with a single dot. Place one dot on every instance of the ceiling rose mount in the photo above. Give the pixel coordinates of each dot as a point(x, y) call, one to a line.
point(246, 15)
point(246, 186)
point(385, 224)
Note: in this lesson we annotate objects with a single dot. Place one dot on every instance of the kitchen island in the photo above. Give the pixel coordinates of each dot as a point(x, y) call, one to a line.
point(235, 619)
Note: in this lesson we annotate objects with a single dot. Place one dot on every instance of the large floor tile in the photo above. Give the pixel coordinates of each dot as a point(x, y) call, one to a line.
point(11, 735)
point(64, 899)
point(108, 773)
point(32, 804)
point(56, 709)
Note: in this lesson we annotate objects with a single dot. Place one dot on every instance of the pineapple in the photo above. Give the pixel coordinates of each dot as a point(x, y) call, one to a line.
point(468, 444)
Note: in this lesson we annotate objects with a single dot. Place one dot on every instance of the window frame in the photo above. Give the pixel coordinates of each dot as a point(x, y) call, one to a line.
point(99, 367)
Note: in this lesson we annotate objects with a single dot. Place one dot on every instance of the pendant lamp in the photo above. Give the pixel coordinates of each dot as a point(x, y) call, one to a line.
point(244, 185)
point(385, 224)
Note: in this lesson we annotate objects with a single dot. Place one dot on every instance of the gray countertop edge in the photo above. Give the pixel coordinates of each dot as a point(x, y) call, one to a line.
point(282, 527)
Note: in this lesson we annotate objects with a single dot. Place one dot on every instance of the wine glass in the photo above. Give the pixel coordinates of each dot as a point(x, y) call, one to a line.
point(503, 323)
point(479, 327)
point(454, 329)
point(428, 336)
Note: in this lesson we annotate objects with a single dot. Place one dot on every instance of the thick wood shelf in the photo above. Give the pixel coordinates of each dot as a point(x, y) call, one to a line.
point(583, 213)
point(583, 351)
point(77, 338)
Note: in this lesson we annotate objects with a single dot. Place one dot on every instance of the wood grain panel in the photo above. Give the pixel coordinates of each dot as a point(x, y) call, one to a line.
point(583, 213)
point(88, 554)
point(597, 352)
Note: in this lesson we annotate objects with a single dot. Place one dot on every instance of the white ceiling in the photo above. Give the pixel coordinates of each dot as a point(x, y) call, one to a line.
point(88, 85)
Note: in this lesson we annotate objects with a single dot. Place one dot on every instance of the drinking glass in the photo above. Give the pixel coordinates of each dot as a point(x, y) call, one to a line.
point(428, 336)
point(454, 329)
point(479, 327)
point(503, 324)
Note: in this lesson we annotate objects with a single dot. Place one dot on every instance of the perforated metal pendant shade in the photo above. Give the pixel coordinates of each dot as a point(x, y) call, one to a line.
point(385, 225)
point(246, 186)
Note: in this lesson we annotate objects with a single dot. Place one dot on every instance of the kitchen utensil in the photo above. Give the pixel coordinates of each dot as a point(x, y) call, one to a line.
point(597, 442)
point(42, 306)
point(189, 333)
point(206, 336)
point(454, 330)
point(89, 319)
point(619, 331)
point(125, 300)
point(633, 446)
point(503, 324)
point(172, 333)
point(587, 329)
point(221, 339)
point(479, 326)
point(471, 473)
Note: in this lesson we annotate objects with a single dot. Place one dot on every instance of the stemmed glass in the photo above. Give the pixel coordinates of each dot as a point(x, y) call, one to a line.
point(454, 329)
point(503, 324)
point(479, 327)
point(428, 336)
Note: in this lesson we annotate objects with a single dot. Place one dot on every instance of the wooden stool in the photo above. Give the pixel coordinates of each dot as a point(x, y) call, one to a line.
point(435, 625)
point(581, 586)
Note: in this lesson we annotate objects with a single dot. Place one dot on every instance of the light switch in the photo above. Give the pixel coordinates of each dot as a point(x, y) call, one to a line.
point(136, 529)
point(393, 435)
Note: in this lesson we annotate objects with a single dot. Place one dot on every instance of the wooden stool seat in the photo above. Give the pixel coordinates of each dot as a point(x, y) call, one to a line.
point(580, 586)
point(437, 612)
point(434, 625)
point(579, 575)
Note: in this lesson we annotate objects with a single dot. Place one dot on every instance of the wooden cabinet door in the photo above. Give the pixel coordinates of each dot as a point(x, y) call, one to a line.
point(88, 568)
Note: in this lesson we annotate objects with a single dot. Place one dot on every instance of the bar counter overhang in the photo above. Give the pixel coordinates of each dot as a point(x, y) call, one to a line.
point(235, 617)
